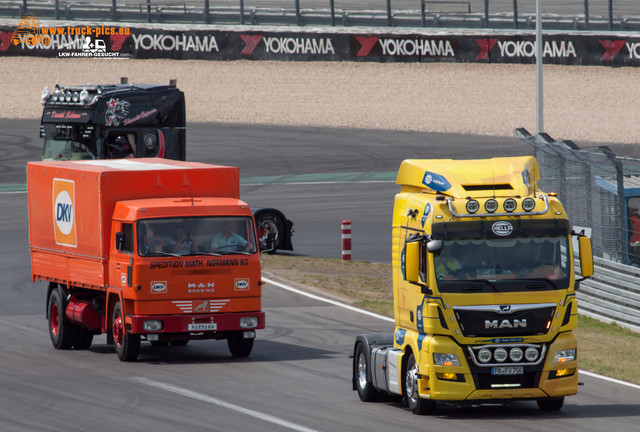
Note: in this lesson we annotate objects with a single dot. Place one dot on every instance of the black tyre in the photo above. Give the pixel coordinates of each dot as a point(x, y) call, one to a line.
point(239, 346)
point(366, 391)
point(270, 223)
point(551, 404)
point(61, 330)
point(127, 345)
point(83, 339)
point(416, 404)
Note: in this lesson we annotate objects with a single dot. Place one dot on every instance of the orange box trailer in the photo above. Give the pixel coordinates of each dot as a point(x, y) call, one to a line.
point(92, 225)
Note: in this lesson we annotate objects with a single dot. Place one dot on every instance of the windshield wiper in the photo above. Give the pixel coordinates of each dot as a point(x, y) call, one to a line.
point(476, 282)
point(163, 254)
point(235, 252)
point(547, 280)
point(208, 253)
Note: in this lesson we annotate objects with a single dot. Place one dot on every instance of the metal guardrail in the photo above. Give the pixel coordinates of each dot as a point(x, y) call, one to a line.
point(612, 294)
point(385, 13)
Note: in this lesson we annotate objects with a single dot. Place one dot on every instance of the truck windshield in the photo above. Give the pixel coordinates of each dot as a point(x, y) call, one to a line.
point(196, 236)
point(65, 150)
point(491, 262)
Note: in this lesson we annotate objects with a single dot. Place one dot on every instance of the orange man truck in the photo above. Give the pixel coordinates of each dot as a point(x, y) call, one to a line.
point(144, 249)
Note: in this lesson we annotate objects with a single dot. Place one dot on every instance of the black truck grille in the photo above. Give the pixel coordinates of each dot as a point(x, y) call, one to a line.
point(505, 320)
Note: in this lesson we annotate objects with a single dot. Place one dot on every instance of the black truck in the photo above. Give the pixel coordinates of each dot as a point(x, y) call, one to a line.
point(132, 120)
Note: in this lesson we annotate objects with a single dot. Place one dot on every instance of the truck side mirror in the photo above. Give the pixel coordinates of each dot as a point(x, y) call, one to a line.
point(270, 243)
point(435, 246)
point(412, 261)
point(586, 257)
point(119, 240)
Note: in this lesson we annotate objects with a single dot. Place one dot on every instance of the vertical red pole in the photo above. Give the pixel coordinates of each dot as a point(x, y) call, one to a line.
point(346, 240)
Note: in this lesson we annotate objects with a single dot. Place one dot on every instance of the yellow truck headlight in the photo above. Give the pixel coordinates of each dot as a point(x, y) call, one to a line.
point(565, 355)
point(445, 359)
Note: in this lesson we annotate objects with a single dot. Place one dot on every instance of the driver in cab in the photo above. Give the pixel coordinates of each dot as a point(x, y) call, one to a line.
point(227, 240)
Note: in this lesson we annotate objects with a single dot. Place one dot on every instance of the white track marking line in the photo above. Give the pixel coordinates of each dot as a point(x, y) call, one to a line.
point(362, 311)
point(218, 402)
point(613, 380)
point(326, 300)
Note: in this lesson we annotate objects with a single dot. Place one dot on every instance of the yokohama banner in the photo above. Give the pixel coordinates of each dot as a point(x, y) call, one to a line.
point(622, 49)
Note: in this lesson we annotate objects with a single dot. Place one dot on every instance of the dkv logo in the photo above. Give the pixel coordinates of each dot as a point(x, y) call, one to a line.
point(64, 212)
point(241, 284)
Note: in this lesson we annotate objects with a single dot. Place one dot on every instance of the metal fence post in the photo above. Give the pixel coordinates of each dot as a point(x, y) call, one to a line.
point(241, 11)
point(114, 11)
point(586, 14)
point(333, 13)
point(298, 17)
point(422, 13)
point(206, 11)
point(148, 11)
point(24, 7)
point(515, 14)
point(610, 14)
point(486, 13)
point(389, 19)
point(622, 217)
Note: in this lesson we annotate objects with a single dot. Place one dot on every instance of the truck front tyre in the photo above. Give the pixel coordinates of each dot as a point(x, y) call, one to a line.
point(61, 330)
point(551, 404)
point(416, 404)
point(366, 391)
point(239, 346)
point(127, 345)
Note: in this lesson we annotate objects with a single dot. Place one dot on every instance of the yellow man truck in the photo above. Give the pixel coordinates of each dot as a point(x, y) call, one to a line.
point(484, 288)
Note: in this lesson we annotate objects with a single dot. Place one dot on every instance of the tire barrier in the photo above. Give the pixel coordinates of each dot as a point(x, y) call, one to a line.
point(234, 43)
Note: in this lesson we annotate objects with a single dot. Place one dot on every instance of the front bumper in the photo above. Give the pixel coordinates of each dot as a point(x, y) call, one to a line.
point(200, 323)
point(477, 383)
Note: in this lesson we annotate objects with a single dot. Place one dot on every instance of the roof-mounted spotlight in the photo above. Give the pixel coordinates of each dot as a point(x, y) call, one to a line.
point(528, 204)
point(491, 205)
point(509, 205)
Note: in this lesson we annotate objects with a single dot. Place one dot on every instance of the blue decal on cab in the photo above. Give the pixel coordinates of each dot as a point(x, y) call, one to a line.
point(420, 316)
point(400, 334)
point(427, 210)
point(421, 338)
point(526, 178)
point(435, 182)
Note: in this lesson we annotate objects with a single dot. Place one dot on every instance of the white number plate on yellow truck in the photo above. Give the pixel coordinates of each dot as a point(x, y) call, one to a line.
point(507, 370)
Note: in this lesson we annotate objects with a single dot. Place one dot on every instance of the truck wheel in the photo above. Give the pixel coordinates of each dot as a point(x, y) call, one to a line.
point(127, 345)
point(416, 404)
point(61, 330)
point(83, 339)
point(239, 346)
point(269, 223)
point(551, 404)
point(365, 388)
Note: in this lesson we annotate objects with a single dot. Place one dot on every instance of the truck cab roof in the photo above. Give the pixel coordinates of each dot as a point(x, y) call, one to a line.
point(471, 178)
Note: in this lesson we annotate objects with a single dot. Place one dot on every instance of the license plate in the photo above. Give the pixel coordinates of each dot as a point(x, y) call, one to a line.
point(201, 327)
point(507, 370)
